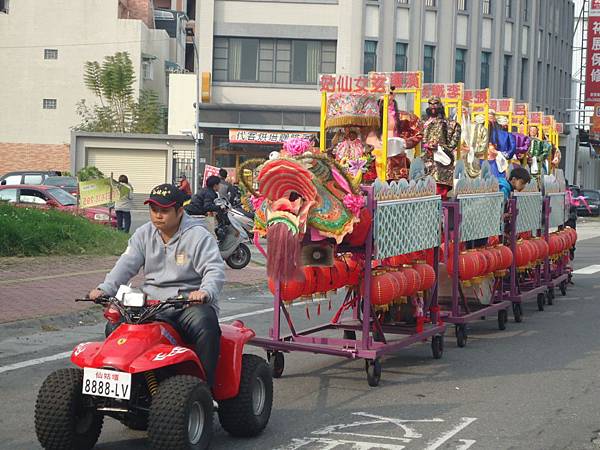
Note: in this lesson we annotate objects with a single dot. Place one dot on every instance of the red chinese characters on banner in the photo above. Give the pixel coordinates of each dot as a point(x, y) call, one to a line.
point(376, 82)
point(493, 104)
point(547, 121)
point(453, 91)
point(447, 91)
point(521, 109)
point(479, 96)
point(504, 105)
point(592, 71)
point(535, 117)
point(560, 127)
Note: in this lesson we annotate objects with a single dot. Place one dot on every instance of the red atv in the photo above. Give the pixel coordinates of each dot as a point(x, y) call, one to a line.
point(145, 376)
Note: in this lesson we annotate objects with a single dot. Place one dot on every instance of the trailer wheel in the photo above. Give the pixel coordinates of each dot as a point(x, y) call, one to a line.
point(563, 288)
point(502, 319)
point(277, 363)
point(437, 346)
point(373, 368)
point(461, 335)
point(550, 297)
point(517, 312)
point(540, 301)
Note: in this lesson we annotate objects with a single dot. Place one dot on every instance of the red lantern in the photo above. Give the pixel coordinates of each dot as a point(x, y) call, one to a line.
point(523, 254)
point(384, 289)
point(482, 262)
point(310, 283)
point(289, 290)
point(535, 250)
point(506, 256)
point(427, 274)
point(323, 279)
point(402, 282)
point(397, 261)
point(468, 266)
point(553, 244)
point(413, 280)
point(544, 250)
point(490, 258)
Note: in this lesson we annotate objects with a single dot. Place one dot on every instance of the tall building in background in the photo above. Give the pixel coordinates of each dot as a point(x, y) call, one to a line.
point(265, 58)
point(43, 48)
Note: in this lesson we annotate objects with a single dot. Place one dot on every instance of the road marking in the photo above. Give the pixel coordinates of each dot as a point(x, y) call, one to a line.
point(464, 423)
point(466, 444)
point(34, 362)
point(589, 270)
point(52, 277)
point(63, 355)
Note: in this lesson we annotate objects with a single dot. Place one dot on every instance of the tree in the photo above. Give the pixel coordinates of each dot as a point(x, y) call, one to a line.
point(118, 110)
point(89, 173)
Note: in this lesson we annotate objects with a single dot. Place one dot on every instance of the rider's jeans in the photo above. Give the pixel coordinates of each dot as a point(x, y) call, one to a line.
point(199, 325)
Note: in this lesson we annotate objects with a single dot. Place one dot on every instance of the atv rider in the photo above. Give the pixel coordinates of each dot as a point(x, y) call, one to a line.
point(178, 256)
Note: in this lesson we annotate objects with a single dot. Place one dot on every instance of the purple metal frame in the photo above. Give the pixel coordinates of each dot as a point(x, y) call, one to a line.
point(553, 278)
point(365, 346)
point(458, 315)
point(520, 291)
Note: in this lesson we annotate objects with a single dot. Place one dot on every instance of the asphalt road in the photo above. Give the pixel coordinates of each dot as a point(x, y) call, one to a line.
point(533, 386)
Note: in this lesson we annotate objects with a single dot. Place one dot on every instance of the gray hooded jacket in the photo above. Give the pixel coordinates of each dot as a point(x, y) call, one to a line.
point(188, 262)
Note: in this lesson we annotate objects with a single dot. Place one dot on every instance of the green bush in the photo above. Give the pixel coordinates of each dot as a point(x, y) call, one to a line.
point(89, 173)
point(33, 232)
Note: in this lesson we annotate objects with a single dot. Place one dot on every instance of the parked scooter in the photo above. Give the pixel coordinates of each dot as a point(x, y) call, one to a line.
point(233, 235)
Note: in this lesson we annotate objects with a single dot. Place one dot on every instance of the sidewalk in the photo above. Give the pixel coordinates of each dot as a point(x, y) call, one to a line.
point(34, 288)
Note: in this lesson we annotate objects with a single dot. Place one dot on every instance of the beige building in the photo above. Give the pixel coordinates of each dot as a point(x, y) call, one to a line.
point(265, 57)
point(43, 48)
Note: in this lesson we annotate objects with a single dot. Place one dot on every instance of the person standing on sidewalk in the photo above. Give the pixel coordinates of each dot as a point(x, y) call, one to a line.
point(178, 256)
point(184, 186)
point(124, 206)
point(224, 185)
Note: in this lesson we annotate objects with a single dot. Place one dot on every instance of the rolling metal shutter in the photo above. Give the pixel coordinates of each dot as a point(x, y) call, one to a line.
point(144, 168)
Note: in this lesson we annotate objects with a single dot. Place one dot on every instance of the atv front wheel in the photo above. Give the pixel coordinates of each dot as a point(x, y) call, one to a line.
point(248, 413)
point(61, 420)
point(181, 414)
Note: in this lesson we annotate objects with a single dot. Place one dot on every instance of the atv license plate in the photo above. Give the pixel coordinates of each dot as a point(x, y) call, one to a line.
point(106, 383)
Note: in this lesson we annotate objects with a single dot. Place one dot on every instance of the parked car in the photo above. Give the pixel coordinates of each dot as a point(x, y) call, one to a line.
point(69, 184)
point(592, 197)
point(54, 197)
point(27, 177)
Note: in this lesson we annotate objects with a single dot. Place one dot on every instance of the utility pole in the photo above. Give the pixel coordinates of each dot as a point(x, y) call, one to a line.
point(197, 135)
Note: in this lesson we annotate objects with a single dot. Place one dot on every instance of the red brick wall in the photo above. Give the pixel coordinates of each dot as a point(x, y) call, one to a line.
point(34, 157)
point(141, 9)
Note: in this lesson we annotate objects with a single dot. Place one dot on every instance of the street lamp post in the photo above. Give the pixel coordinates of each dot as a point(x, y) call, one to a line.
point(196, 134)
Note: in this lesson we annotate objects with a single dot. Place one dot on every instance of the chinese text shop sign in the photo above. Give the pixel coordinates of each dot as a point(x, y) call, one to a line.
point(592, 71)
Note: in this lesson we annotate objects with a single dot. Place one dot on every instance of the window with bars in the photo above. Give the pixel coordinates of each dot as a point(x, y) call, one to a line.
point(4, 6)
point(370, 57)
point(49, 103)
point(401, 63)
point(460, 65)
point(284, 61)
point(508, 9)
point(526, 10)
point(462, 5)
point(486, 57)
point(431, 3)
point(506, 78)
point(50, 53)
point(486, 6)
point(429, 64)
point(403, 2)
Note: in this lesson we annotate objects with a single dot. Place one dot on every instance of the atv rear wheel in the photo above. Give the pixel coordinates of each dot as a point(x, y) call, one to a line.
point(61, 420)
point(181, 414)
point(248, 413)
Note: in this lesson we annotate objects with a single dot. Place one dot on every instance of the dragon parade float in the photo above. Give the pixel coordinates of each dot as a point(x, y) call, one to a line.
point(396, 217)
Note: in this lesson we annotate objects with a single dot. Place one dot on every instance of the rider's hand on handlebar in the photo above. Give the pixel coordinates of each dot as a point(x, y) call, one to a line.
point(96, 294)
point(199, 296)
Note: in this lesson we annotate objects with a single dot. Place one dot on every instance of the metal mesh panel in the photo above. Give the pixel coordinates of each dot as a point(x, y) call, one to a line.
point(529, 207)
point(557, 209)
point(481, 215)
point(404, 226)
